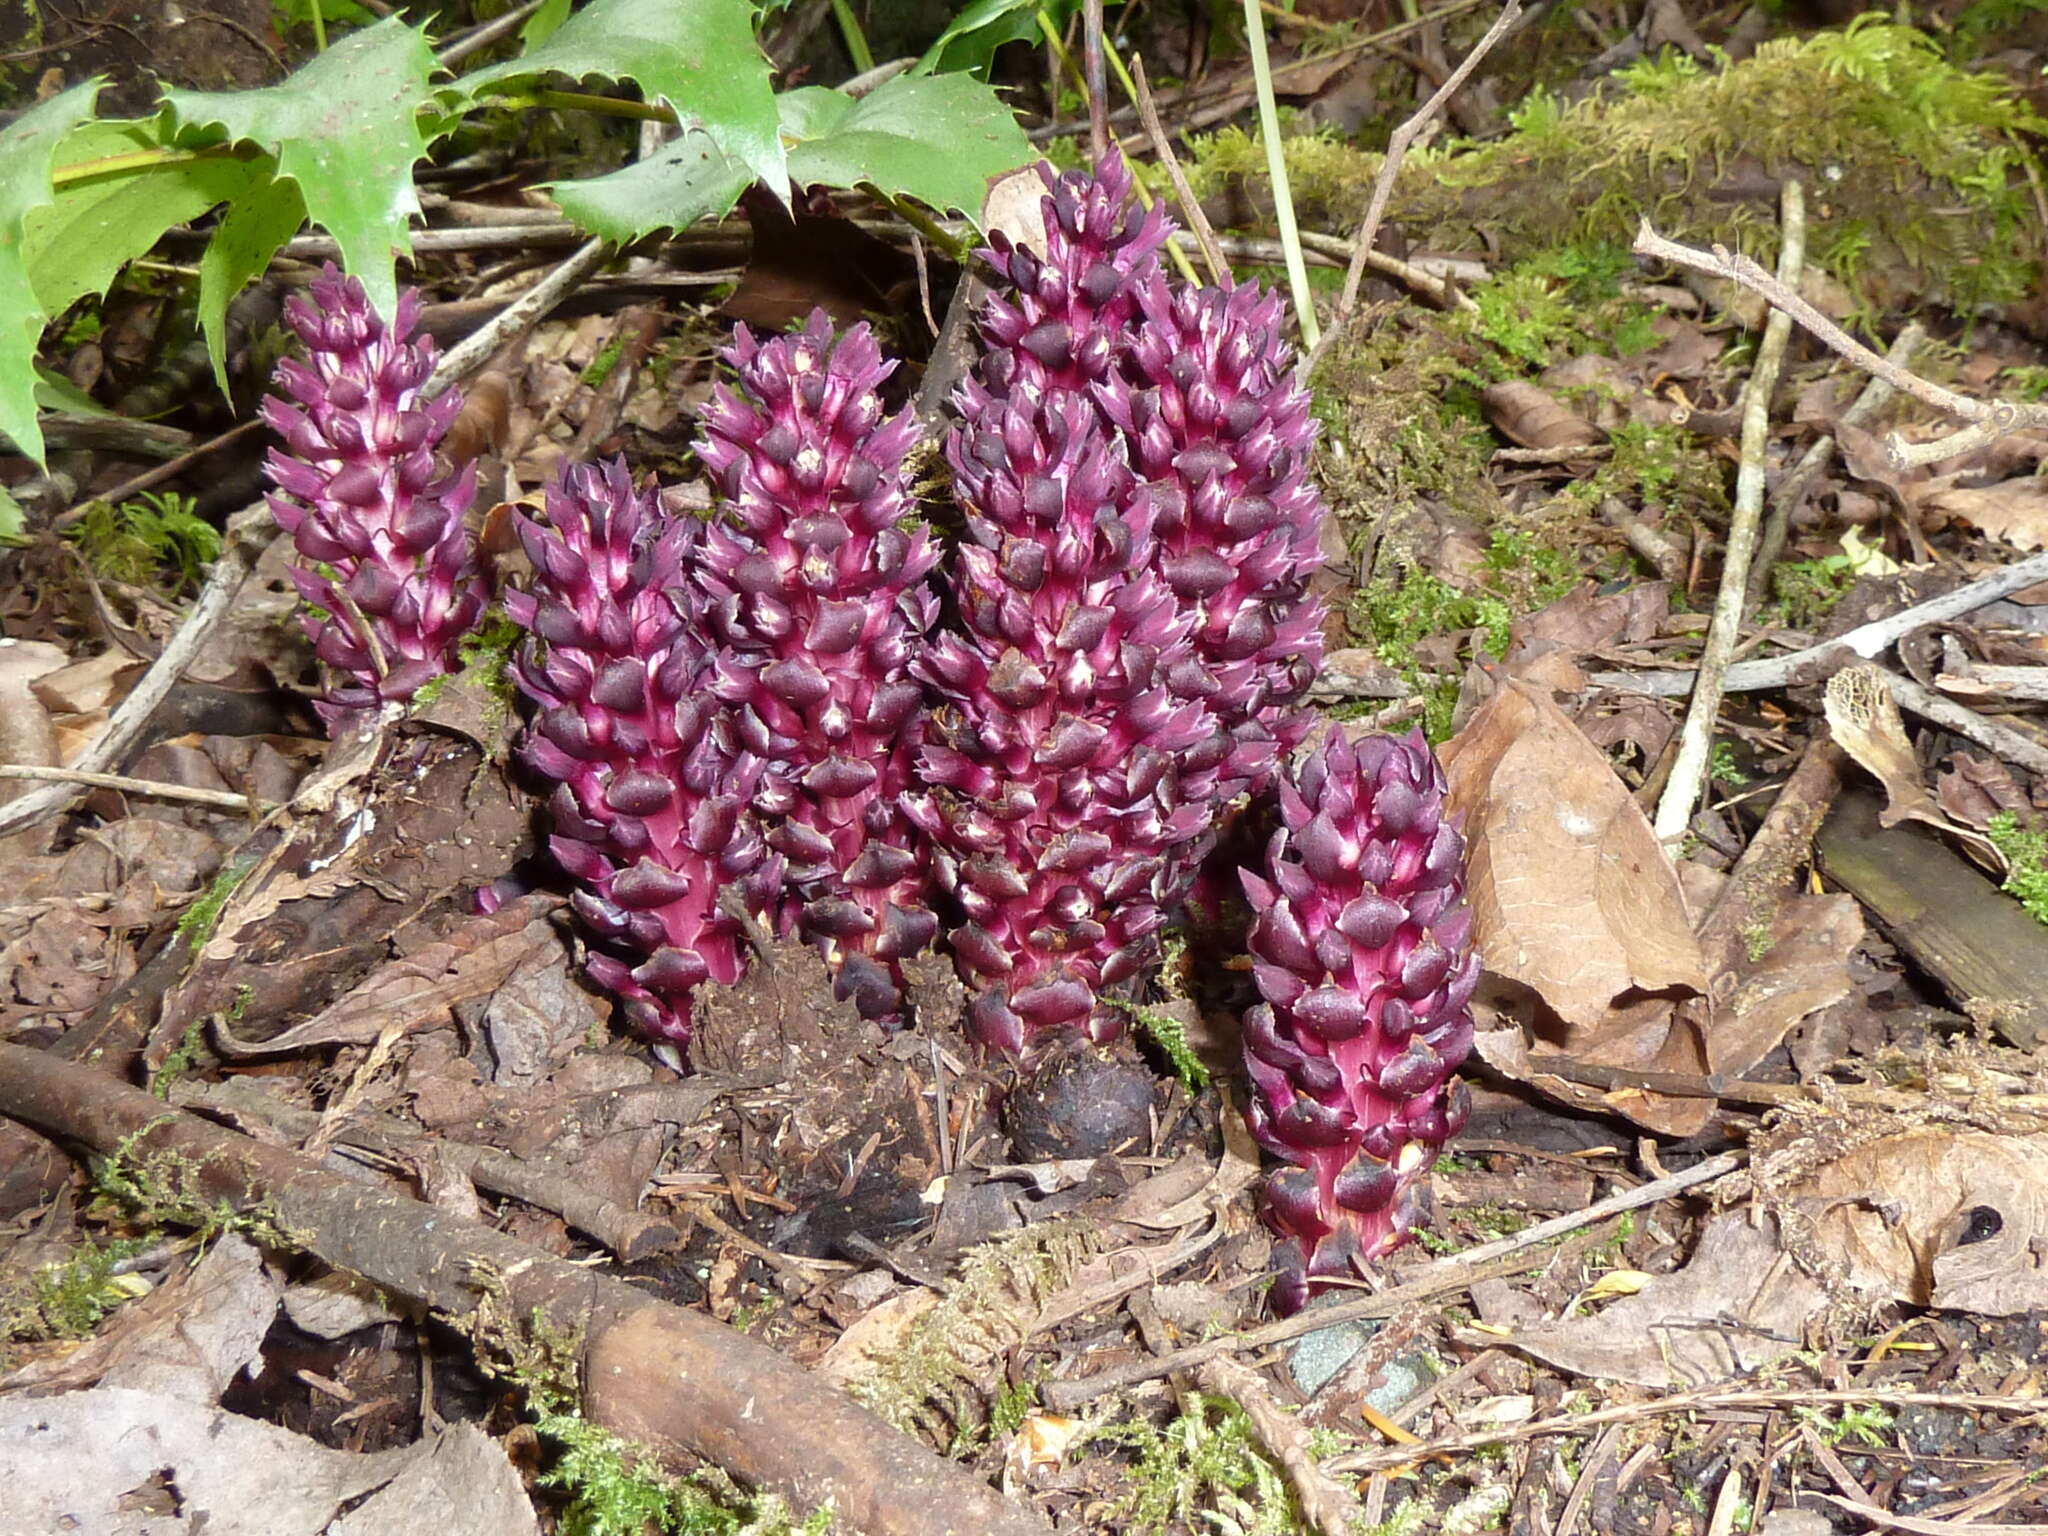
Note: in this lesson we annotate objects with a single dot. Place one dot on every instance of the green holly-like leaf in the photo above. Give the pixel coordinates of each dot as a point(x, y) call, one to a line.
point(698, 57)
point(249, 234)
point(682, 182)
point(97, 224)
point(28, 145)
point(938, 138)
point(346, 130)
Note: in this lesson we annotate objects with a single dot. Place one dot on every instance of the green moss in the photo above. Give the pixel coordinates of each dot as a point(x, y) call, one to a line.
point(154, 540)
point(66, 1300)
point(2025, 850)
point(196, 923)
point(613, 1486)
point(1916, 168)
point(1204, 1470)
point(1394, 613)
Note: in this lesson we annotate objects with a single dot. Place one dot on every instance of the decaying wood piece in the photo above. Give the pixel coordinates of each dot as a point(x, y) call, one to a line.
point(676, 1380)
point(1946, 914)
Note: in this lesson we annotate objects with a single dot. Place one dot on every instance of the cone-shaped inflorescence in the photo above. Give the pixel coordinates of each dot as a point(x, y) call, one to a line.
point(651, 812)
point(1211, 413)
point(1061, 321)
point(389, 561)
point(1066, 773)
point(820, 602)
point(1361, 952)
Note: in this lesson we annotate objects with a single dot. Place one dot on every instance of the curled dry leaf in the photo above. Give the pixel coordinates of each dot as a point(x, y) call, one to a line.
point(1864, 718)
point(1572, 895)
point(1929, 1215)
point(1574, 899)
point(1532, 417)
point(2014, 512)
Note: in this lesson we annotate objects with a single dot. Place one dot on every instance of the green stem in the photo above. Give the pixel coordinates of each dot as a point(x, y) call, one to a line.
point(319, 26)
point(954, 246)
point(856, 40)
point(133, 160)
point(1276, 167)
point(579, 101)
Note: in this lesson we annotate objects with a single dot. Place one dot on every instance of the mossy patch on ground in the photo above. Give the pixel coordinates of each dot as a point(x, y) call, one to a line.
point(1917, 169)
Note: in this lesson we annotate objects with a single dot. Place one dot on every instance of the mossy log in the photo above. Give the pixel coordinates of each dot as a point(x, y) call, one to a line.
point(676, 1381)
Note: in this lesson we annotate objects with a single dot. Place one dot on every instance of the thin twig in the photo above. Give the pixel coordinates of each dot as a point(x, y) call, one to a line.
point(515, 319)
point(2002, 739)
point(1696, 740)
point(150, 478)
point(219, 799)
point(463, 44)
point(1867, 641)
point(1398, 145)
point(1454, 1273)
point(1877, 394)
point(1093, 80)
point(1708, 1400)
point(1198, 220)
point(1988, 419)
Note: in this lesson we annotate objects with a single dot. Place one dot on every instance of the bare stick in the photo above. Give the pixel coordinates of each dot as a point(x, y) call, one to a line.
point(2002, 739)
point(1988, 419)
point(1403, 140)
point(1454, 1273)
point(1867, 641)
point(1877, 394)
point(521, 315)
point(464, 44)
point(1696, 741)
point(1198, 220)
point(220, 799)
point(246, 534)
point(1456, 1447)
point(1093, 79)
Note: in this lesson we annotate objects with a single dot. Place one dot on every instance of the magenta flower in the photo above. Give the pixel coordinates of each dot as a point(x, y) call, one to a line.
point(390, 563)
point(1211, 413)
point(652, 807)
point(820, 602)
point(1066, 774)
point(1361, 950)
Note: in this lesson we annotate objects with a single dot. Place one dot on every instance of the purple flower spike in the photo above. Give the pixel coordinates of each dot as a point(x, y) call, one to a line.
point(1361, 950)
point(388, 558)
point(652, 809)
point(820, 603)
point(1066, 774)
point(1059, 321)
point(1209, 408)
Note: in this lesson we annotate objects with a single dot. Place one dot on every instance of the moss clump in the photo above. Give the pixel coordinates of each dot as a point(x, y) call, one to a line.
point(66, 1300)
point(1917, 169)
point(152, 541)
point(2025, 850)
point(1203, 1471)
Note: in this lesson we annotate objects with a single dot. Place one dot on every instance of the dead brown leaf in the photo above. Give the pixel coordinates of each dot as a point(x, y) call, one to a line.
point(1572, 895)
point(422, 989)
point(1532, 417)
point(2014, 512)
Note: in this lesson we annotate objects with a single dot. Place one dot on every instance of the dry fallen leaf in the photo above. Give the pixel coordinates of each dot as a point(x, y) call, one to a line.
point(1864, 718)
point(2014, 512)
point(1571, 893)
point(1532, 417)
